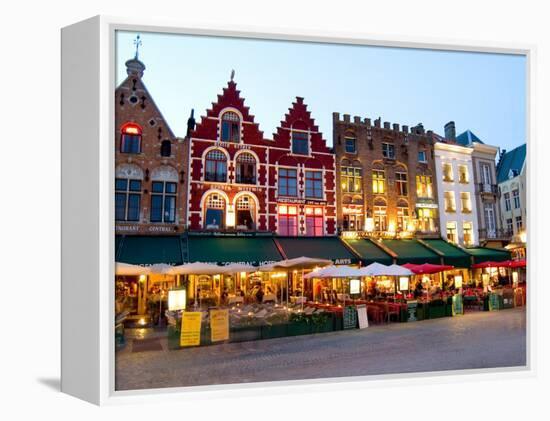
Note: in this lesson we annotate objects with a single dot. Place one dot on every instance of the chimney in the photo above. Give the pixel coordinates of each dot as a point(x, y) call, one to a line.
point(450, 131)
point(191, 122)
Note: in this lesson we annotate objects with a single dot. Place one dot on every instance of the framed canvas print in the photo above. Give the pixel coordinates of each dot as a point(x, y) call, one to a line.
point(245, 208)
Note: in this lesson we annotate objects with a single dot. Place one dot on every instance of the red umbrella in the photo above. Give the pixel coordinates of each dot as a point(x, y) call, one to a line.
point(517, 263)
point(488, 264)
point(427, 268)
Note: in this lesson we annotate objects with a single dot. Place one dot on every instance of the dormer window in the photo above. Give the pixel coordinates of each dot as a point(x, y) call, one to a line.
point(130, 138)
point(300, 143)
point(231, 127)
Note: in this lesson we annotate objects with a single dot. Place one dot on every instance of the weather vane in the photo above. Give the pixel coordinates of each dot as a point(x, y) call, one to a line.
point(232, 74)
point(137, 43)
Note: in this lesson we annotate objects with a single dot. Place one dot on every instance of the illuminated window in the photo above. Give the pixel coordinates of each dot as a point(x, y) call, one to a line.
point(403, 218)
point(130, 138)
point(450, 205)
point(314, 221)
point(215, 166)
point(468, 233)
point(351, 179)
point(314, 184)
point(451, 232)
point(246, 169)
point(288, 220)
point(463, 174)
point(245, 212)
point(214, 214)
point(465, 202)
point(447, 172)
point(426, 219)
point(353, 222)
point(287, 182)
point(127, 199)
point(401, 183)
point(163, 201)
point(424, 186)
point(378, 181)
point(380, 218)
point(231, 127)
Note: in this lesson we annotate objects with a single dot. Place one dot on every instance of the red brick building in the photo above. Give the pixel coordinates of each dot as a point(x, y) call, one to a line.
point(150, 163)
point(241, 181)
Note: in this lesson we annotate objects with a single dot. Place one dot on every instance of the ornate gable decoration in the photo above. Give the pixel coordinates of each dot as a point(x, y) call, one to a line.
point(299, 113)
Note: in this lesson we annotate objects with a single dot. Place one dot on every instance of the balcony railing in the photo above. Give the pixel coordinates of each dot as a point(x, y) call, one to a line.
point(487, 188)
point(496, 234)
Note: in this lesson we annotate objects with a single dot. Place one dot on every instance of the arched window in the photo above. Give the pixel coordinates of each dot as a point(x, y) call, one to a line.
point(351, 177)
point(246, 169)
point(214, 213)
point(401, 181)
point(216, 166)
point(246, 214)
point(231, 127)
point(130, 138)
point(380, 215)
point(165, 148)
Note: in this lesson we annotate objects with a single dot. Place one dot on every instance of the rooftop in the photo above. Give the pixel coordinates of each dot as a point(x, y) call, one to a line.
point(467, 138)
point(511, 163)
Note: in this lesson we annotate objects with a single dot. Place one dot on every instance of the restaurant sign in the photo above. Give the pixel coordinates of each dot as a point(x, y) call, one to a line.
point(190, 328)
point(343, 261)
point(427, 205)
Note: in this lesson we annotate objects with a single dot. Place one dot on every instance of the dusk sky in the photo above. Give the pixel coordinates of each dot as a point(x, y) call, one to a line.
point(481, 92)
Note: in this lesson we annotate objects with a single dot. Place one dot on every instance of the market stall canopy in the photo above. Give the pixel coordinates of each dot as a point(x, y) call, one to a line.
point(452, 255)
point(329, 248)
point(369, 251)
point(396, 270)
point(148, 250)
point(251, 250)
point(376, 269)
point(299, 263)
point(411, 251)
point(131, 270)
point(197, 268)
point(335, 272)
point(427, 268)
point(485, 254)
point(518, 263)
point(239, 267)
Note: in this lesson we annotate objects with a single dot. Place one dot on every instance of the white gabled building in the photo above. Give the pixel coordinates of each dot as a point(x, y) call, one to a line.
point(456, 190)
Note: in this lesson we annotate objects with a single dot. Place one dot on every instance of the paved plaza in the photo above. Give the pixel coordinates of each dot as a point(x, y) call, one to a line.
point(475, 340)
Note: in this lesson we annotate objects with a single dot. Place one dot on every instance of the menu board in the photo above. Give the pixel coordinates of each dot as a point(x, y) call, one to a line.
point(362, 316)
point(494, 303)
point(190, 328)
point(350, 317)
point(458, 307)
point(411, 310)
point(219, 325)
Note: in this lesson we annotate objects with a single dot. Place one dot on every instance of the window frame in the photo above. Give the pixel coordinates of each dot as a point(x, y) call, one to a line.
point(136, 135)
point(347, 175)
point(167, 199)
point(234, 133)
point(286, 178)
point(388, 150)
point(221, 161)
point(353, 139)
point(402, 184)
point(318, 219)
point(283, 214)
point(316, 183)
point(128, 192)
point(378, 182)
point(305, 139)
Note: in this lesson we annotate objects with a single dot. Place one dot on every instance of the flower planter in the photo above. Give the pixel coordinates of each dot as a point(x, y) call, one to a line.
point(245, 333)
point(436, 310)
point(301, 327)
point(327, 325)
point(173, 337)
point(274, 331)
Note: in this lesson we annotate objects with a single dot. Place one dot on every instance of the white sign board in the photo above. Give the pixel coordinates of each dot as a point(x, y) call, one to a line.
point(354, 286)
point(362, 316)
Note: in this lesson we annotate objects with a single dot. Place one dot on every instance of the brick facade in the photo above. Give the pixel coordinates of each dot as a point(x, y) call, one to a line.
point(359, 147)
point(234, 170)
point(157, 158)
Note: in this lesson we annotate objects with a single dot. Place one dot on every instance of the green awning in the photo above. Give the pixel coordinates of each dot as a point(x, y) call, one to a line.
point(148, 250)
point(251, 250)
point(331, 248)
point(485, 254)
point(369, 251)
point(452, 255)
point(411, 251)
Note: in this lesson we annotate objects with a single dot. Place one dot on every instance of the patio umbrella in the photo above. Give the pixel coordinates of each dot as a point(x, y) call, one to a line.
point(197, 268)
point(162, 269)
point(334, 272)
point(427, 268)
point(518, 263)
point(396, 270)
point(131, 270)
point(375, 269)
point(488, 264)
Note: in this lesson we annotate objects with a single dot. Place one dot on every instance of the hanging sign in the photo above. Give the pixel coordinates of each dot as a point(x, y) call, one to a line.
point(362, 316)
point(190, 328)
point(219, 325)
